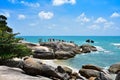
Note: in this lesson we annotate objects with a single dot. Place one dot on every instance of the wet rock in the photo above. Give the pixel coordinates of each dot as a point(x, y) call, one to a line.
point(87, 73)
point(115, 68)
point(67, 70)
point(60, 69)
point(86, 48)
point(89, 41)
point(90, 66)
point(102, 76)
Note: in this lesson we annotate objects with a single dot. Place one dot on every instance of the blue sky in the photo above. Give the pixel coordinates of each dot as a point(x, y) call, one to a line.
point(63, 17)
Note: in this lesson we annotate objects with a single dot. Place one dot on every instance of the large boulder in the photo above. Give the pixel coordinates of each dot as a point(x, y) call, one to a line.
point(87, 73)
point(41, 49)
point(42, 52)
point(115, 68)
point(90, 66)
point(35, 67)
point(66, 46)
point(9, 73)
point(44, 55)
point(86, 48)
point(64, 54)
point(95, 71)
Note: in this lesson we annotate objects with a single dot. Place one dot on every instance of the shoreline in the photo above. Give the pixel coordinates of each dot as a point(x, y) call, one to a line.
point(56, 63)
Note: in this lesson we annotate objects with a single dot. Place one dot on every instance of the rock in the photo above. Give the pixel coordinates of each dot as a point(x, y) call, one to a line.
point(102, 76)
point(41, 49)
point(75, 76)
point(60, 69)
point(92, 41)
point(118, 76)
point(62, 50)
point(86, 48)
point(43, 55)
point(66, 46)
point(28, 43)
point(59, 45)
point(92, 78)
point(64, 54)
point(115, 68)
point(10, 63)
point(52, 45)
point(67, 70)
point(76, 50)
point(89, 66)
point(87, 73)
point(35, 67)
point(42, 52)
point(89, 41)
point(8, 73)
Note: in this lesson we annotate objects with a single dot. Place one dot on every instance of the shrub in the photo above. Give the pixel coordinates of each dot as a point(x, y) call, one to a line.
point(9, 46)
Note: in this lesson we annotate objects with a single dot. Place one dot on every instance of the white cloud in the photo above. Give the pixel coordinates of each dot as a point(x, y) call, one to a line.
point(21, 17)
point(108, 25)
point(115, 15)
point(61, 2)
point(94, 27)
point(7, 14)
point(82, 18)
point(45, 15)
point(101, 20)
point(30, 4)
point(101, 24)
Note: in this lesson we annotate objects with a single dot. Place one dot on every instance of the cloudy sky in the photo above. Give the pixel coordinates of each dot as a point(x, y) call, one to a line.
point(63, 17)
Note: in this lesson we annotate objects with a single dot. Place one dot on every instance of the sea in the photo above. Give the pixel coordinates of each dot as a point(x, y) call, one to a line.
point(108, 50)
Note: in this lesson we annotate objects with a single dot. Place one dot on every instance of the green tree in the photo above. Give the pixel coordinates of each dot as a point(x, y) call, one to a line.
point(9, 44)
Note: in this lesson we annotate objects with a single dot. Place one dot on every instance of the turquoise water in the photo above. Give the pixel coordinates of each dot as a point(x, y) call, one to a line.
point(108, 46)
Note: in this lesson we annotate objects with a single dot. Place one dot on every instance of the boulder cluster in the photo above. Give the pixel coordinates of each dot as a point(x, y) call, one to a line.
point(34, 69)
point(58, 50)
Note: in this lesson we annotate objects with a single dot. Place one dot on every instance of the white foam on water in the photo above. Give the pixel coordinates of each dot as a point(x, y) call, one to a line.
point(106, 67)
point(100, 49)
point(116, 45)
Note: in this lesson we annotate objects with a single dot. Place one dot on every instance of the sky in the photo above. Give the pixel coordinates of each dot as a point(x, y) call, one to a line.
point(63, 17)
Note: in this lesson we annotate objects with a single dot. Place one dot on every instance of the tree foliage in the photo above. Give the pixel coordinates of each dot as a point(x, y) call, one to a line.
point(9, 46)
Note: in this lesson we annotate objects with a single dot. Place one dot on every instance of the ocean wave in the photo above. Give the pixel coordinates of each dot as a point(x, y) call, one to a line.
point(106, 67)
point(116, 44)
point(101, 49)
